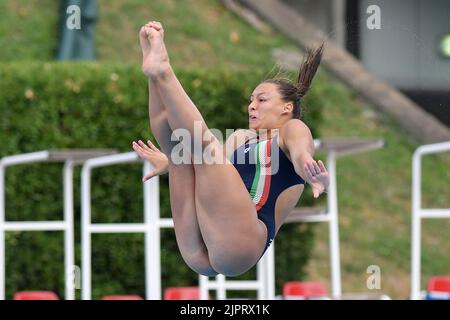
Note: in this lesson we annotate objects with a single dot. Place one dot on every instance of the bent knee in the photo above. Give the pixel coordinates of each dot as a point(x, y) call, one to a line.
point(233, 264)
point(232, 258)
point(200, 264)
point(203, 270)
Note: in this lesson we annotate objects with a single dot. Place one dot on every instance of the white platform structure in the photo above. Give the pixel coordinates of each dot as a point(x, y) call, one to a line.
point(70, 158)
point(265, 282)
point(419, 213)
point(150, 227)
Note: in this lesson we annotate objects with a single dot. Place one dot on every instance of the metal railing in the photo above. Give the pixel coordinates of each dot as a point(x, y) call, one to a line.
point(70, 158)
point(150, 227)
point(419, 213)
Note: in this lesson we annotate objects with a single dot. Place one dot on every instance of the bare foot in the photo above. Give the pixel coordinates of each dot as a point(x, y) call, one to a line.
point(155, 60)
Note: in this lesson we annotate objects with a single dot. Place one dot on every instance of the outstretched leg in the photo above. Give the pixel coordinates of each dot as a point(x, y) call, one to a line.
point(181, 184)
point(234, 236)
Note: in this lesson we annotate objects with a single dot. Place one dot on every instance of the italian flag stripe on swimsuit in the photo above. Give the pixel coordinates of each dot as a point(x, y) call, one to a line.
point(261, 182)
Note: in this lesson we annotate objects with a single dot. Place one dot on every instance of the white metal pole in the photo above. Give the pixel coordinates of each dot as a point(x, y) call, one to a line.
point(416, 222)
point(2, 231)
point(25, 158)
point(418, 212)
point(334, 227)
point(86, 232)
point(221, 290)
point(261, 276)
point(4, 162)
point(203, 284)
point(70, 274)
point(270, 295)
point(150, 213)
point(152, 237)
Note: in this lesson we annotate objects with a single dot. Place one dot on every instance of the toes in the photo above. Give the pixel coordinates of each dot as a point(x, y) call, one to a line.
point(155, 24)
point(149, 29)
point(143, 31)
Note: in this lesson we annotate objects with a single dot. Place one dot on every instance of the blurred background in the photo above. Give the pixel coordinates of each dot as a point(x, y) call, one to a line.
point(385, 78)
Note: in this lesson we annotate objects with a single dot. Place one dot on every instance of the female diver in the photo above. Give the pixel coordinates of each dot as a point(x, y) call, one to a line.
point(226, 213)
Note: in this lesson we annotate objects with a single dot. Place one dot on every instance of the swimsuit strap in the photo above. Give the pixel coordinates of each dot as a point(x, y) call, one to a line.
point(247, 140)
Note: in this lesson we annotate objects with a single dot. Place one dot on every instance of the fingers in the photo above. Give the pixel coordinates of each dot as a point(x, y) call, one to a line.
point(145, 149)
point(144, 146)
point(316, 168)
point(312, 168)
point(152, 146)
point(148, 176)
point(317, 191)
point(308, 173)
point(313, 174)
point(137, 148)
point(141, 151)
point(322, 166)
point(317, 188)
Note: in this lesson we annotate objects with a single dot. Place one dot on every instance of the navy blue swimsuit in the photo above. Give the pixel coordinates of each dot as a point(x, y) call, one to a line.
point(266, 172)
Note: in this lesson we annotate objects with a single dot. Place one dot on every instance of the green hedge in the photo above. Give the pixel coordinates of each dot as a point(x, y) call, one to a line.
point(88, 105)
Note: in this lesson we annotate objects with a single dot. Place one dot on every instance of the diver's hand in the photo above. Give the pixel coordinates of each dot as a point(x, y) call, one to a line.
point(153, 155)
point(317, 176)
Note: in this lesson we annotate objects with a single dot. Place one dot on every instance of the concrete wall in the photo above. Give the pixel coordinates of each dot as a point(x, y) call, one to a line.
point(405, 51)
point(328, 15)
point(350, 71)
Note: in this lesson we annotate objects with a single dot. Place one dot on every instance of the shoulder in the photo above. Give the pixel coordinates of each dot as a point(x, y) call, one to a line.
point(292, 130)
point(293, 124)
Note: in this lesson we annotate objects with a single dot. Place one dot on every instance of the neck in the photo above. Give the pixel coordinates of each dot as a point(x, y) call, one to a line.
point(264, 134)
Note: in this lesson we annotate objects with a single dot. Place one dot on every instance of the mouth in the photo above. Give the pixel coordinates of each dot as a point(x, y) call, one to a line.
point(252, 118)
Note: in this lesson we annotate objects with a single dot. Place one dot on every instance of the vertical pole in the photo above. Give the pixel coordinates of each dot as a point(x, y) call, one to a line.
point(261, 277)
point(2, 231)
point(334, 227)
point(203, 284)
point(270, 295)
point(416, 221)
point(69, 264)
point(338, 21)
point(221, 290)
point(86, 232)
point(152, 237)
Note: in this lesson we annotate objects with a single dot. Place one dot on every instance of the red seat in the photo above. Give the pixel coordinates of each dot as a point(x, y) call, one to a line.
point(182, 293)
point(439, 284)
point(304, 289)
point(35, 295)
point(122, 298)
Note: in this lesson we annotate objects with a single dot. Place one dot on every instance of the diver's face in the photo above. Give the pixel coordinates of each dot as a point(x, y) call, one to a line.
point(266, 107)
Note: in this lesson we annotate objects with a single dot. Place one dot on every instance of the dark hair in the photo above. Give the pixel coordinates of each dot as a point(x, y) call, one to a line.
point(293, 92)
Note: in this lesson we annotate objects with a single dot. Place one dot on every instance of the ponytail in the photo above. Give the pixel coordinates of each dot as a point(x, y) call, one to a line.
point(293, 92)
point(308, 69)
